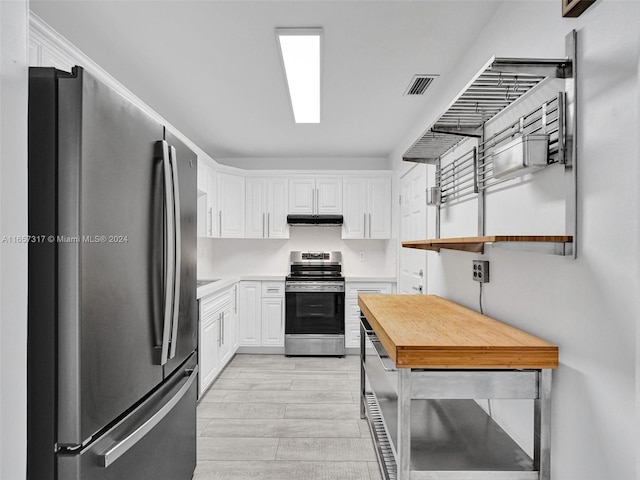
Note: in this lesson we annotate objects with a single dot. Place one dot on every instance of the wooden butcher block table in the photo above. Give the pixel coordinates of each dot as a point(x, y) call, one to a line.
point(432, 365)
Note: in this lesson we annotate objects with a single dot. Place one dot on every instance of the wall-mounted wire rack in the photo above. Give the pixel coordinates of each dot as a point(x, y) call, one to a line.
point(495, 88)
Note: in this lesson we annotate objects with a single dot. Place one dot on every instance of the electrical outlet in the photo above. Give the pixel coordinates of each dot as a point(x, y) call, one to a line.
point(362, 256)
point(481, 271)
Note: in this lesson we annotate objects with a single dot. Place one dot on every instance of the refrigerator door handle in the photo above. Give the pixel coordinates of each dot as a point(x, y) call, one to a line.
point(109, 456)
point(170, 252)
point(178, 250)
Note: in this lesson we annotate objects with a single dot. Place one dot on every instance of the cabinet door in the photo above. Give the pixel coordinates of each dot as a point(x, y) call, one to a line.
point(235, 315)
point(273, 322)
point(250, 314)
point(226, 334)
point(255, 223)
point(328, 195)
point(277, 195)
point(203, 212)
point(351, 323)
point(379, 215)
point(302, 195)
point(354, 199)
point(208, 359)
point(212, 204)
point(231, 205)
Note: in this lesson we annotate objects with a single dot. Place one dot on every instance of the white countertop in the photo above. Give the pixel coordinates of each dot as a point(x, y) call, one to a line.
point(222, 283)
point(371, 279)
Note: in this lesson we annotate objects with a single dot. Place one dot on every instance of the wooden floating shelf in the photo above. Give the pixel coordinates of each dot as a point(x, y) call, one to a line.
point(476, 244)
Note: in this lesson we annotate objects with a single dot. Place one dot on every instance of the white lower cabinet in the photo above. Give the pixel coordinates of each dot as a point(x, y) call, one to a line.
point(208, 357)
point(352, 310)
point(218, 334)
point(261, 310)
point(273, 322)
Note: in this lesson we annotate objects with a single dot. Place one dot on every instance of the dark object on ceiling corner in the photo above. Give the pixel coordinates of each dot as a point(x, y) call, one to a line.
point(574, 8)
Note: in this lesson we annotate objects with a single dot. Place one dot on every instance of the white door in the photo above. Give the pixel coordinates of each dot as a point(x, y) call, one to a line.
point(413, 226)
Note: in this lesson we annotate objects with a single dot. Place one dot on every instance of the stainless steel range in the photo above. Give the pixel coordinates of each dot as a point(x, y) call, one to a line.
point(314, 308)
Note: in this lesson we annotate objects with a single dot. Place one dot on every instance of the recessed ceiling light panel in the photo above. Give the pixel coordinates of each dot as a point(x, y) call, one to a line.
point(300, 50)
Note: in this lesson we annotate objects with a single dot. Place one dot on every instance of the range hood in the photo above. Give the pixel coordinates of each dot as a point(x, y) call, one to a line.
point(317, 220)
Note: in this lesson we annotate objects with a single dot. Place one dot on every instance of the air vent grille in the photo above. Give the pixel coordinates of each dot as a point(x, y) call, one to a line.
point(419, 84)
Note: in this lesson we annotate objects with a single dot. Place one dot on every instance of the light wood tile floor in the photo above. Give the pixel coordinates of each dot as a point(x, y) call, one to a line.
point(270, 417)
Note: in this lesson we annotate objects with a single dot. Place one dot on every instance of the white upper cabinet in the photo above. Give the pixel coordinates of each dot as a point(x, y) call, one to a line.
point(255, 221)
point(367, 208)
point(207, 201)
point(315, 195)
point(231, 205)
point(266, 208)
point(379, 203)
point(353, 207)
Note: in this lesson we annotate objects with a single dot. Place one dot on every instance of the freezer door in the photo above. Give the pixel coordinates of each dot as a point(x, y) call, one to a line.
point(156, 442)
point(184, 333)
point(110, 257)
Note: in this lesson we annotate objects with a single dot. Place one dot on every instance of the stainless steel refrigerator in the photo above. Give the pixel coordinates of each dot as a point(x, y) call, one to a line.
point(112, 287)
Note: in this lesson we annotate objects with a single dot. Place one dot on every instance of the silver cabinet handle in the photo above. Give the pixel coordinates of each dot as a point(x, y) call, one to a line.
point(418, 288)
point(364, 226)
point(178, 253)
point(235, 299)
point(421, 273)
point(222, 328)
point(220, 222)
point(317, 200)
point(170, 249)
point(268, 225)
point(263, 224)
point(210, 221)
point(369, 225)
point(120, 448)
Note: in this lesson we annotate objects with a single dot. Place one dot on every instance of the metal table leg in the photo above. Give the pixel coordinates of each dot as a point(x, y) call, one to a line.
point(542, 426)
point(404, 423)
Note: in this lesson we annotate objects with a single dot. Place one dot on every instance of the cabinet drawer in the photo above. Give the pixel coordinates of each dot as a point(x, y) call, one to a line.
point(215, 302)
point(273, 289)
point(353, 289)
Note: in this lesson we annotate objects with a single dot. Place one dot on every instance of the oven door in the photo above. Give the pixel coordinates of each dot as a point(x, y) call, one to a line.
point(313, 311)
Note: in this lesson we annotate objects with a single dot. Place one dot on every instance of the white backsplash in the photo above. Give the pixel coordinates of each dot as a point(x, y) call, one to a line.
point(223, 257)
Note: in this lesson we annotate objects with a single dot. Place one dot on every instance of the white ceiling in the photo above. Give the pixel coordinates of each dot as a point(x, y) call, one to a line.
point(212, 69)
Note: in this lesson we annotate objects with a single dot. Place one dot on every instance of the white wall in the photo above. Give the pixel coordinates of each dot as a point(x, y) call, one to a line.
point(587, 306)
point(306, 163)
point(13, 221)
point(220, 257)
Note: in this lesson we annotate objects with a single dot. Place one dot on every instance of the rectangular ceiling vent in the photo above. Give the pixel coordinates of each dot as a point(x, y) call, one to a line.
point(419, 84)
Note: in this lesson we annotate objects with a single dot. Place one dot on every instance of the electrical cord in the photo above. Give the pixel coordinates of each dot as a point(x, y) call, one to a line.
point(480, 299)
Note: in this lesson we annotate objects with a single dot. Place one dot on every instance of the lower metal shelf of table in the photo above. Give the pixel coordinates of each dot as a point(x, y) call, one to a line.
point(450, 439)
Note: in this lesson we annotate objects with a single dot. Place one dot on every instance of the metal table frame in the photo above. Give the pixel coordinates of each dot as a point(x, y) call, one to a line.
point(388, 395)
